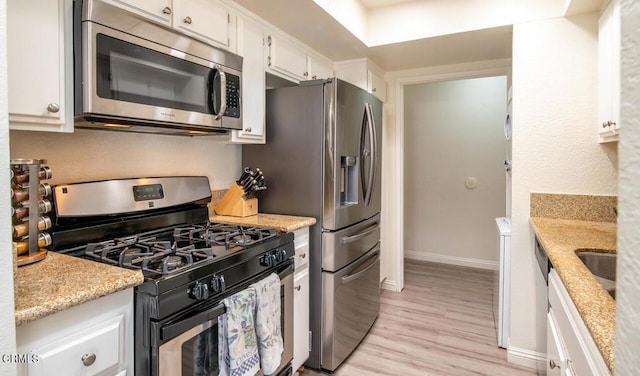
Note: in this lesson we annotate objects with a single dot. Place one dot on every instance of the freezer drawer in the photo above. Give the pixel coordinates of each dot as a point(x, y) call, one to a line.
point(351, 301)
point(342, 247)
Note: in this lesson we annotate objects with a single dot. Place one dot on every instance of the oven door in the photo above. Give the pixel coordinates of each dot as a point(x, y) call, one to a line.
point(131, 78)
point(189, 346)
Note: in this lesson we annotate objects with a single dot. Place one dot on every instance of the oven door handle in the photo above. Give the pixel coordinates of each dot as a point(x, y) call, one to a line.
point(172, 330)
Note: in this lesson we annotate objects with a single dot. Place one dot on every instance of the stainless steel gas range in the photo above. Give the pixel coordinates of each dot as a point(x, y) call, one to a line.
point(160, 226)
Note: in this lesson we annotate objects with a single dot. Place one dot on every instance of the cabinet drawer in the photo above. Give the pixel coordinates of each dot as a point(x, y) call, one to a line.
point(301, 243)
point(95, 350)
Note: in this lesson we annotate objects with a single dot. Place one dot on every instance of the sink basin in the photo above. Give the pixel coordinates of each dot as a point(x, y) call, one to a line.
point(602, 266)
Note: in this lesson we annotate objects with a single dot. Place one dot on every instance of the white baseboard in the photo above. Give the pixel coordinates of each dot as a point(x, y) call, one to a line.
point(390, 285)
point(452, 260)
point(526, 358)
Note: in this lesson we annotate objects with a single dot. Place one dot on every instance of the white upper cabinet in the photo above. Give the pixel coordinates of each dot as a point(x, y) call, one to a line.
point(203, 19)
point(39, 50)
point(364, 74)
point(250, 47)
point(207, 20)
point(319, 68)
point(609, 73)
point(158, 10)
point(286, 58)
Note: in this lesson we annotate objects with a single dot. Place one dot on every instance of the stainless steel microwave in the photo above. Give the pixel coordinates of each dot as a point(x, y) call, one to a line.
point(131, 74)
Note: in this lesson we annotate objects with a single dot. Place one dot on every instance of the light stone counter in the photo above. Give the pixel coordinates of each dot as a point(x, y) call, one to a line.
point(285, 223)
point(60, 282)
point(561, 238)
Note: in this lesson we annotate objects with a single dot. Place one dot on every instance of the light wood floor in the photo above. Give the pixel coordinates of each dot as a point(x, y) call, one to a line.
point(440, 324)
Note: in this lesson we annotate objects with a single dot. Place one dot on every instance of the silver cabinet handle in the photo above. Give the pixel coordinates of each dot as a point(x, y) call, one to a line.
point(608, 123)
point(553, 364)
point(298, 287)
point(248, 130)
point(166, 10)
point(53, 107)
point(188, 20)
point(88, 359)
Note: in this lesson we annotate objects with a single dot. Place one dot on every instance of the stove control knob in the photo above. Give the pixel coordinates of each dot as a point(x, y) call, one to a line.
point(200, 291)
point(268, 260)
point(282, 255)
point(218, 284)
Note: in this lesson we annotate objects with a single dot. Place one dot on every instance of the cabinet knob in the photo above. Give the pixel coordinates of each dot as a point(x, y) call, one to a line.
point(303, 255)
point(314, 77)
point(188, 20)
point(306, 74)
point(166, 10)
point(88, 359)
point(248, 130)
point(298, 287)
point(374, 89)
point(53, 107)
point(553, 364)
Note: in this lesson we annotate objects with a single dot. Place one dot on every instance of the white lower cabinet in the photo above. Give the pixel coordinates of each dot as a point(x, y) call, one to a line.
point(301, 318)
point(95, 338)
point(570, 348)
point(301, 298)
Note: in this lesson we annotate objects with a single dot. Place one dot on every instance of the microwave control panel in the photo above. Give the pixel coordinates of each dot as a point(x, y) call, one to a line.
point(233, 96)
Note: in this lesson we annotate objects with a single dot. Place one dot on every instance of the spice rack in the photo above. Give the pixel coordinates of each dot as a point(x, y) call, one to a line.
point(30, 202)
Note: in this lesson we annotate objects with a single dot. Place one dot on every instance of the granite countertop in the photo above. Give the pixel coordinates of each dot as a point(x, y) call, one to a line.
point(561, 238)
point(285, 223)
point(60, 282)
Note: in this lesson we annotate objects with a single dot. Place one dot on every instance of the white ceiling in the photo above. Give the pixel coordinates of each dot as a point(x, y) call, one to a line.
point(370, 4)
point(312, 25)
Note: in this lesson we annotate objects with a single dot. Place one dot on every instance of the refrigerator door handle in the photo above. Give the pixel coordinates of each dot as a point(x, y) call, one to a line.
point(351, 277)
point(360, 235)
point(372, 154)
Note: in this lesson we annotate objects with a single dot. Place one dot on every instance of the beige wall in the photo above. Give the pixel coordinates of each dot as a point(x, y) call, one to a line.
point(453, 130)
point(555, 146)
point(94, 155)
point(7, 318)
point(628, 308)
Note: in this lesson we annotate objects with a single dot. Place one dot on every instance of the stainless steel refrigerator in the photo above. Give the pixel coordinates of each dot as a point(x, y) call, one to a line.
point(322, 160)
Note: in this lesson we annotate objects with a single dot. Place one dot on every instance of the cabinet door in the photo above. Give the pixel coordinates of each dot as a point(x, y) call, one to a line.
point(91, 351)
point(556, 358)
point(377, 85)
point(300, 318)
point(250, 47)
point(158, 10)
point(208, 21)
point(609, 72)
point(287, 59)
point(319, 69)
point(39, 65)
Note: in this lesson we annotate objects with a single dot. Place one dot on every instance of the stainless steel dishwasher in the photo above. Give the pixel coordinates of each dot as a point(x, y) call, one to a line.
point(542, 304)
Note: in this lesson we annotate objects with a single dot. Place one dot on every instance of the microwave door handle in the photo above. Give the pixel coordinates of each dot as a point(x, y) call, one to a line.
point(223, 92)
point(172, 330)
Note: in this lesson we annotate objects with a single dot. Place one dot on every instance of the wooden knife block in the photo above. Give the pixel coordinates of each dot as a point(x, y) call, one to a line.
point(233, 204)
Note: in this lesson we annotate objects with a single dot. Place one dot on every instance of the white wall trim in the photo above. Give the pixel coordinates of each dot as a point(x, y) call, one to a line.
point(395, 196)
point(390, 285)
point(526, 358)
point(452, 260)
